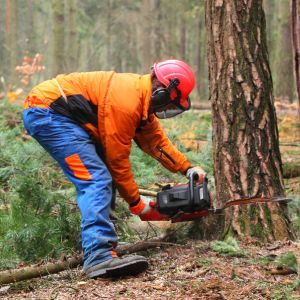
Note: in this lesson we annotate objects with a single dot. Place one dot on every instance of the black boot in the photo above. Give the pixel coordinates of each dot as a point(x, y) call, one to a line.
point(117, 267)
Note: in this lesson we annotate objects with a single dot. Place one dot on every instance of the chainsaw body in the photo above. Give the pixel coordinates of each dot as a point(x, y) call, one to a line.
point(192, 201)
point(182, 202)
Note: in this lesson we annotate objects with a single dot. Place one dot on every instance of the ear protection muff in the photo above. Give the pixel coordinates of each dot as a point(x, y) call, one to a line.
point(161, 97)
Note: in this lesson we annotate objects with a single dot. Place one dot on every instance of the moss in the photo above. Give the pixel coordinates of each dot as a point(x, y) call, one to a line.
point(229, 234)
point(252, 212)
point(241, 220)
point(268, 216)
point(257, 230)
point(230, 247)
point(287, 260)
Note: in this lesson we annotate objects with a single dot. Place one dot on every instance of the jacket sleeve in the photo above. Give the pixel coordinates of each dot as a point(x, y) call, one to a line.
point(153, 141)
point(118, 147)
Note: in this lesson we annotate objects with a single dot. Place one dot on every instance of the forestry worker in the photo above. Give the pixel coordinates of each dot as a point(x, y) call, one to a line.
point(86, 122)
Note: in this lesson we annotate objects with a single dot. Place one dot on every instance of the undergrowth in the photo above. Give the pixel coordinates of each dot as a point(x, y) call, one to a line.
point(229, 247)
point(39, 218)
point(37, 221)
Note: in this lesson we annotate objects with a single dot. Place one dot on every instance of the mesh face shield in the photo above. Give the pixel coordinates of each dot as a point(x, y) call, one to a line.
point(172, 109)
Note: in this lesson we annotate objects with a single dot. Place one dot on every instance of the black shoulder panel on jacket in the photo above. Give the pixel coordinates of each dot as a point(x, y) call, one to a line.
point(78, 108)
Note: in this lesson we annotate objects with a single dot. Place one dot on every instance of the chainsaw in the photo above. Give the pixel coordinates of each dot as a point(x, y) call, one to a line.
point(192, 201)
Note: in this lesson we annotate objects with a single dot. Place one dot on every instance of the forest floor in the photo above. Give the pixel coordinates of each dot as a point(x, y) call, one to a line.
point(190, 271)
point(193, 270)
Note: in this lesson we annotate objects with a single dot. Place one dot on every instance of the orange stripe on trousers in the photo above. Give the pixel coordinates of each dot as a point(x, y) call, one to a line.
point(76, 165)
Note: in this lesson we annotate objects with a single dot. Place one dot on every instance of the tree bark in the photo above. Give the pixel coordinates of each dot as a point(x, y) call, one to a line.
point(247, 160)
point(296, 43)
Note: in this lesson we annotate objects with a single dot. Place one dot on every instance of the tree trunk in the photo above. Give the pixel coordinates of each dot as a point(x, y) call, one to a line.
point(147, 31)
point(199, 23)
point(58, 37)
point(109, 24)
point(31, 32)
point(157, 29)
point(183, 39)
point(72, 61)
point(271, 8)
point(247, 161)
point(11, 41)
point(296, 43)
point(284, 83)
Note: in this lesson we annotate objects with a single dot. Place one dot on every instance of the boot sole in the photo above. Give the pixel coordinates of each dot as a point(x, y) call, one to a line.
point(130, 268)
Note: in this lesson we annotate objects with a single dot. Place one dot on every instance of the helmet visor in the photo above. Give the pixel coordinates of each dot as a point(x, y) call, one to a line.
point(171, 110)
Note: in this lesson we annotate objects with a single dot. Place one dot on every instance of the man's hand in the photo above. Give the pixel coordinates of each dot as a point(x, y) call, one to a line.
point(201, 173)
point(145, 209)
point(143, 206)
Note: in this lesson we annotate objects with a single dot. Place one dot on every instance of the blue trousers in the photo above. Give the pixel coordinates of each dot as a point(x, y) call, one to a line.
point(73, 149)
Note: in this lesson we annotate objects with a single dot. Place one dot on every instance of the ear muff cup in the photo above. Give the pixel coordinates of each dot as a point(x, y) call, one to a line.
point(160, 97)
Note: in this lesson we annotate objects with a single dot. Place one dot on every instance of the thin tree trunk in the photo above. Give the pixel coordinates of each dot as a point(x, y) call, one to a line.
point(247, 160)
point(271, 8)
point(11, 40)
point(296, 43)
point(72, 37)
point(199, 55)
point(157, 29)
point(58, 37)
point(147, 30)
point(110, 6)
point(284, 83)
point(183, 39)
point(31, 31)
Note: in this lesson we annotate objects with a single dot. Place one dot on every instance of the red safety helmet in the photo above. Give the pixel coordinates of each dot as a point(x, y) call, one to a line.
point(179, 80)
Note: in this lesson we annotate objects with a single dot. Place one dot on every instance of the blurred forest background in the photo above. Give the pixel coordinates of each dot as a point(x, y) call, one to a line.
point(40, 39)
point(123, 35)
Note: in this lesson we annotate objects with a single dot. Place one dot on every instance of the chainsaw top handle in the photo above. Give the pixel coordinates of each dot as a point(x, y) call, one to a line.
point(193, 179)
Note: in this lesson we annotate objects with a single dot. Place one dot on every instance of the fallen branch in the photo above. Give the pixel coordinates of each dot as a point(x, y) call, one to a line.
point(15, 275)
point(147, 193)
point(26, 273)
point(283, 271)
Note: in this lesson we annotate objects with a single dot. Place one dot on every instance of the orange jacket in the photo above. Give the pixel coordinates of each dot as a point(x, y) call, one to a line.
point(119, 104)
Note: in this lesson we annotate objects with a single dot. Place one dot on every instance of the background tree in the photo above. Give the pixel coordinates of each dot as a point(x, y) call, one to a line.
point(58, 63)
point(71, 36)
point(11, 38)
point(283, 63)
point(296, 43)
point(247, 160)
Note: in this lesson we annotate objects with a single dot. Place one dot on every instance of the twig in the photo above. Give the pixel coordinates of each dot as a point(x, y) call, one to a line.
point(147, 193)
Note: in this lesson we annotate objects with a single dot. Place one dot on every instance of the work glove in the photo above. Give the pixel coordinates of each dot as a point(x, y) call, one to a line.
point(142, 206)
point(197, 169)
point(145, 208)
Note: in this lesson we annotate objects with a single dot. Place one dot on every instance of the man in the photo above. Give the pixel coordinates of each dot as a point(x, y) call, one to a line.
point(75, 116)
